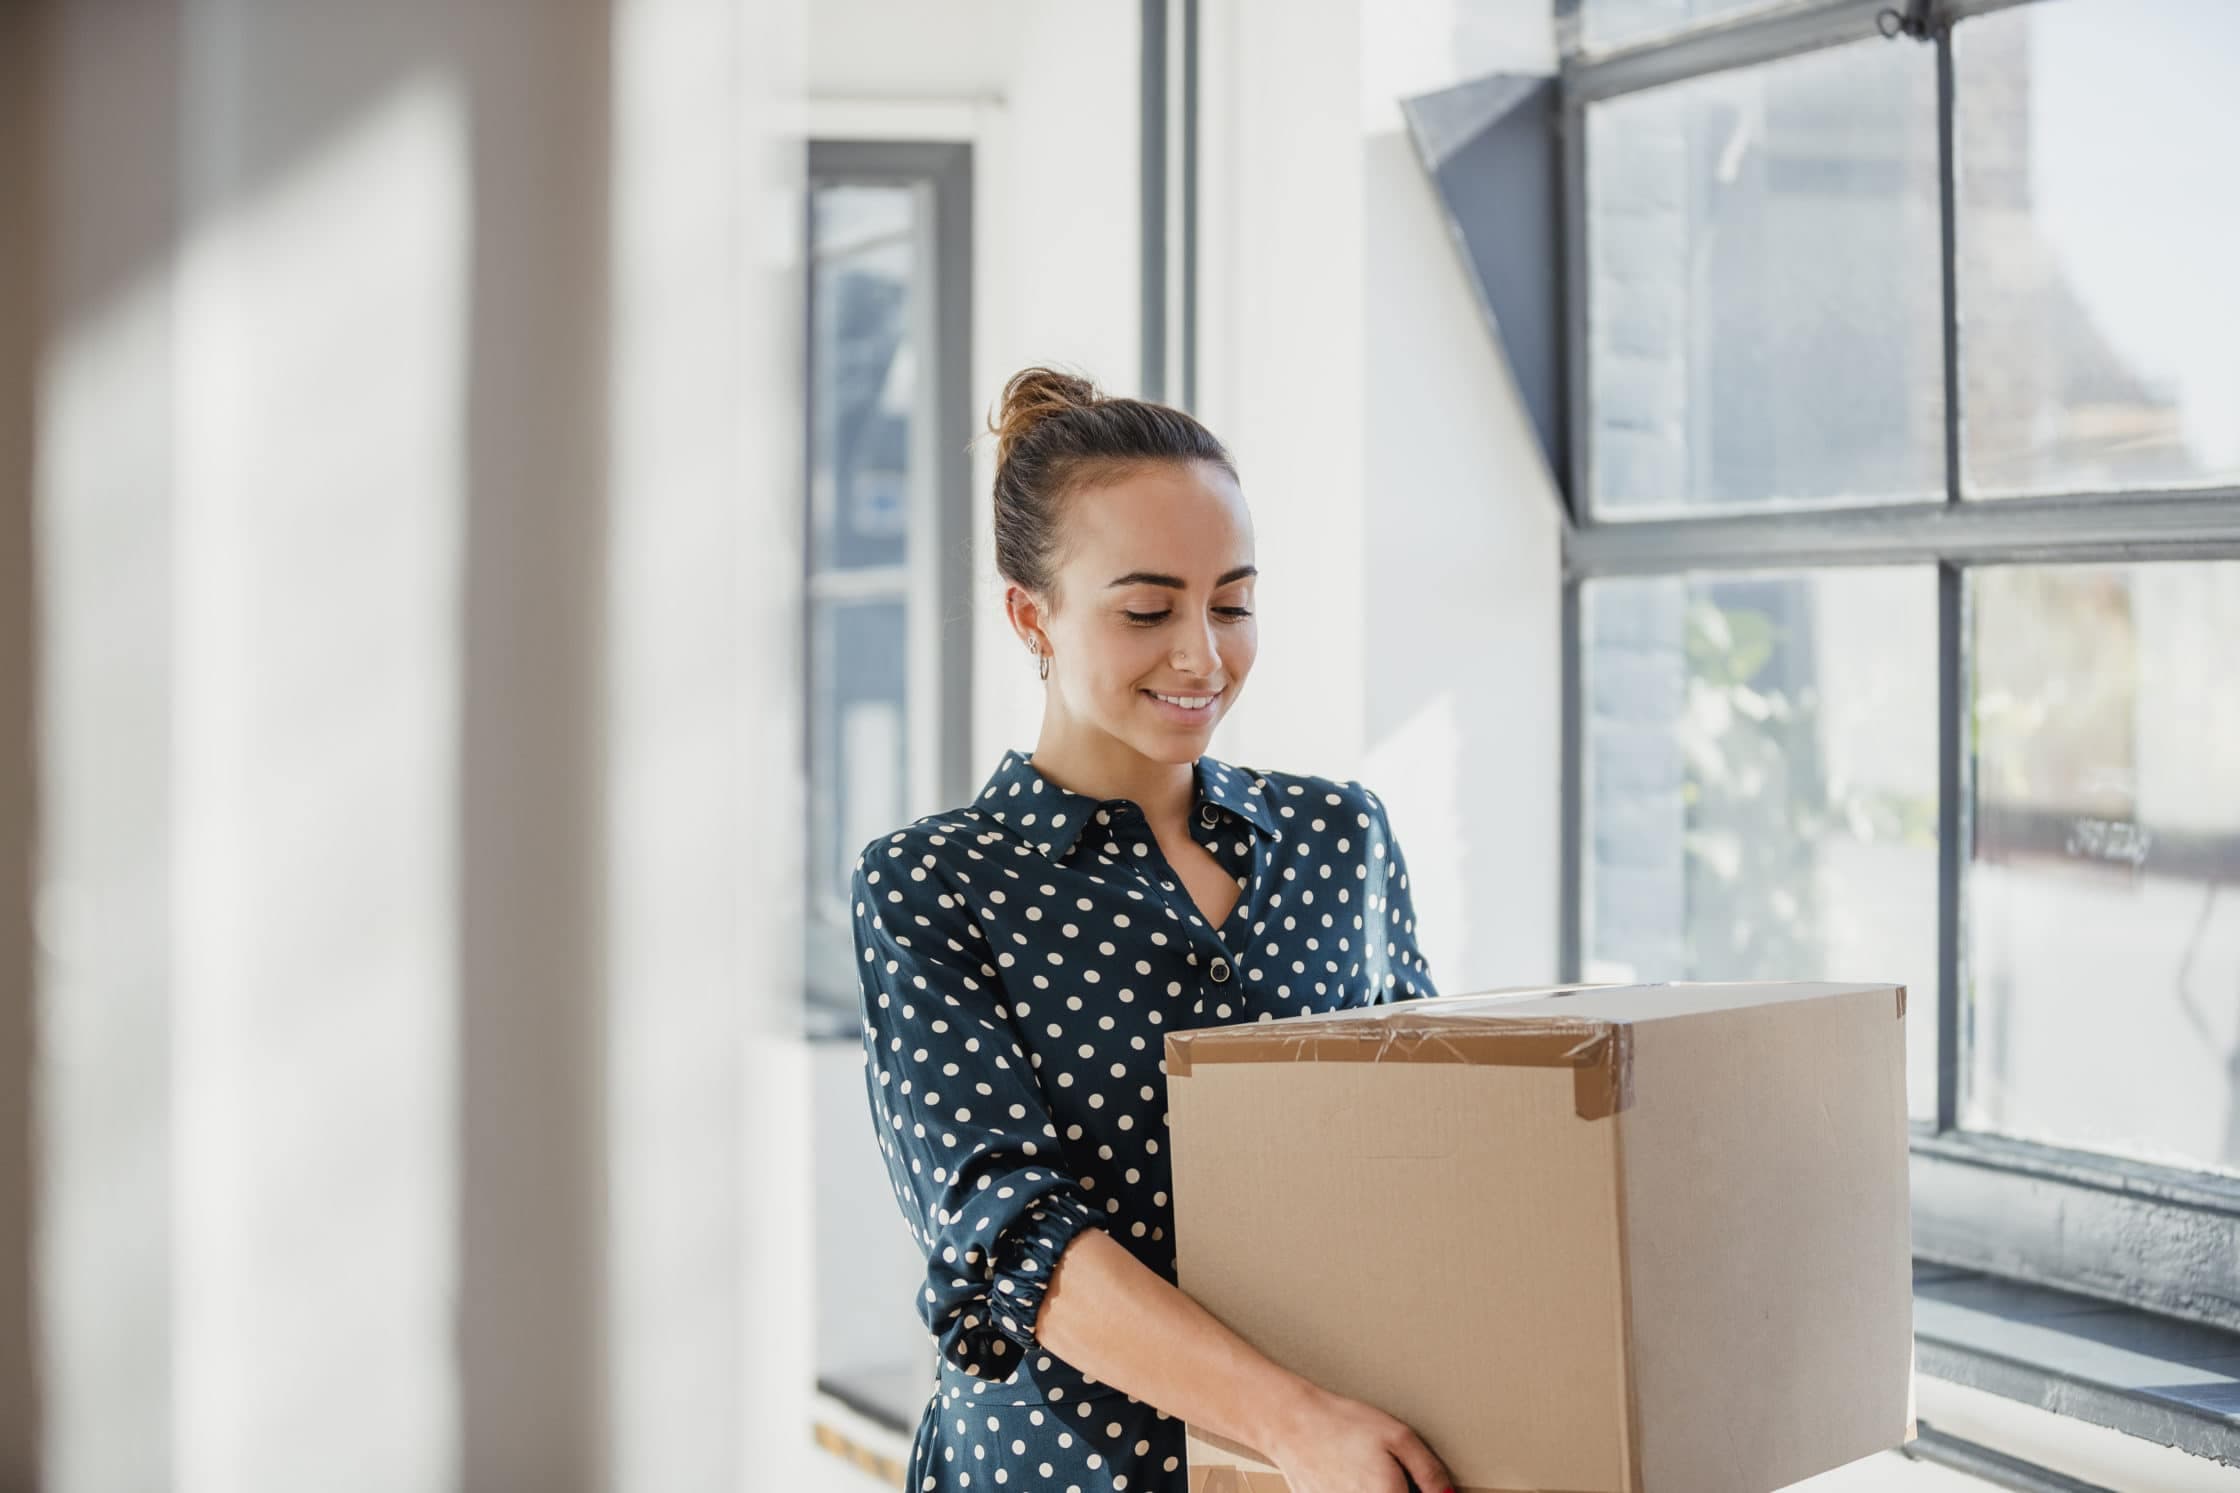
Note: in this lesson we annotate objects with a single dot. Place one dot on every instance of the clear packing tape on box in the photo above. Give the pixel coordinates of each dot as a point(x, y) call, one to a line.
point(1599, 1052)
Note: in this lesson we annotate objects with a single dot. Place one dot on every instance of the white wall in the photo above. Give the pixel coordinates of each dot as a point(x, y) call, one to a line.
point(1465, 577)
point(1405, 517)
point(1283, 378)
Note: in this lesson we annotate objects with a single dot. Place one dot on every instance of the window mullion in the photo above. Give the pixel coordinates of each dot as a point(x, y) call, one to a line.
point(1571, 900)
point(1949, 256)
point(1954, 785)
point(1953, 743)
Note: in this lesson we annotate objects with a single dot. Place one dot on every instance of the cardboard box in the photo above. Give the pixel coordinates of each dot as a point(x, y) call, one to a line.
point(1600, 1239)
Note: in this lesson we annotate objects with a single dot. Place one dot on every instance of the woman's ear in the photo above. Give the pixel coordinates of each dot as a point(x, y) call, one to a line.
point(1025, 612)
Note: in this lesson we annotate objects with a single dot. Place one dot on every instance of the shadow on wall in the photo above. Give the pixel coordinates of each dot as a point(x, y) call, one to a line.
point(19, 183)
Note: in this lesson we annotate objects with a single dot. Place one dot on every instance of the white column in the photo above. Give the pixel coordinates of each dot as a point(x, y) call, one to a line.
point(712, 1283)
point(321, 362)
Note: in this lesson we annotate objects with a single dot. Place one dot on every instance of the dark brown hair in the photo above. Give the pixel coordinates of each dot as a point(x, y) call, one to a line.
point(1055, 433)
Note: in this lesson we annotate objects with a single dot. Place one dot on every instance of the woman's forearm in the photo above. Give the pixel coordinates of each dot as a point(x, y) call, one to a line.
point(1116, 1319)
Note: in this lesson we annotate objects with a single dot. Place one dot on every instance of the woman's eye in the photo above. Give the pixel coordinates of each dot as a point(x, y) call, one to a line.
point(1150, 618)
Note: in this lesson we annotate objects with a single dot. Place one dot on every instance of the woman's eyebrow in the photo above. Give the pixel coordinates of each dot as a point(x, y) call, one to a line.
point(1153, 578)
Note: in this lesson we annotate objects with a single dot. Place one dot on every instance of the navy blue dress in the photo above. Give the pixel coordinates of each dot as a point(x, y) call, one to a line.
point(1022, 959)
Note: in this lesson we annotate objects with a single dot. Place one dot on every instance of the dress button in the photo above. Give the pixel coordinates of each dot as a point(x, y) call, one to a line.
point(1207, 814)
point(1220, 970)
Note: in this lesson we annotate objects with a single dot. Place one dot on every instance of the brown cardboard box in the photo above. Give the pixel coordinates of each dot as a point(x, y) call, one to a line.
point(1599, 1239)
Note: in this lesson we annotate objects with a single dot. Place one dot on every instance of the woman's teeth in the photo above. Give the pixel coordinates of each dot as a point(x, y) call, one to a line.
point(1187, 702)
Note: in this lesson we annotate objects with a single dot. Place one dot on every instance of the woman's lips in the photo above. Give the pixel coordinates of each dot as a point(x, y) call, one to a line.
point(1180, 713)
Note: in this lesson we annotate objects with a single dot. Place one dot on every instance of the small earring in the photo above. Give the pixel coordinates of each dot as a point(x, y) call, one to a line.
point(1043, 670)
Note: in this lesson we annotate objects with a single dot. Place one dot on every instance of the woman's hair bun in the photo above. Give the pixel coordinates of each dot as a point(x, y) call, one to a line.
point(1054, 432)
point(1032, 396)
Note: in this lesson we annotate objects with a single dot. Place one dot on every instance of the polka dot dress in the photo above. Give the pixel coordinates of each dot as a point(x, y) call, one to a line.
point(1022, 960)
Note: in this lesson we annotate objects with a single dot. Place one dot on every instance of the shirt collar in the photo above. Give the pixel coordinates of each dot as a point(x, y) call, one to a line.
point(1052, 818)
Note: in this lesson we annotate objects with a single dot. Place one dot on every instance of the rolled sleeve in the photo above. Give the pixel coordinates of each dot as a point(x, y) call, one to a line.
point(961, 1119)
point(1396, 960)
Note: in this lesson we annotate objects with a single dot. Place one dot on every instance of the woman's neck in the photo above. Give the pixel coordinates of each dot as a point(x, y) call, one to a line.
point(1102, 766)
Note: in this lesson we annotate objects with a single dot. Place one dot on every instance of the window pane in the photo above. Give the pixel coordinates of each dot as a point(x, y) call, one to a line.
point(2097, 294)
point(859, 738)
point(851, 215)
point(2103, 906)
point(1611, 23)
point(1765, 322)
point(867, 284)
point(1761, 784)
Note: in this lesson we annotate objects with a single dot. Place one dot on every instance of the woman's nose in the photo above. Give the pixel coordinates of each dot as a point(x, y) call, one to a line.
point(1198, 651)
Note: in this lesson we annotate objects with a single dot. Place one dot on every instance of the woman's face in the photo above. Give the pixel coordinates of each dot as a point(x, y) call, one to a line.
point(1155, 576)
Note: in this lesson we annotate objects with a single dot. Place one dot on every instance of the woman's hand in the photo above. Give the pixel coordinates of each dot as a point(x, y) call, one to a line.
point(1330, 1444)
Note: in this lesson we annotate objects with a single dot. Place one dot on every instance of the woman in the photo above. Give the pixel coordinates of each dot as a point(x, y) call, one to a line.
point(1023, 956)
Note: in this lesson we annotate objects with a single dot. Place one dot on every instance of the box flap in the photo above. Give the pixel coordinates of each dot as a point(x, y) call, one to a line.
point(1659, 1002)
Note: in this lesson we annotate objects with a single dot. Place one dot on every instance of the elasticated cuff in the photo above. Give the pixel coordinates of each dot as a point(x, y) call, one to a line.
point(997, 1330)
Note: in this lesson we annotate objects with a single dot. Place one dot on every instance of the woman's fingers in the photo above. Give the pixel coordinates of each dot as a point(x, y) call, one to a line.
point(1429, 1473)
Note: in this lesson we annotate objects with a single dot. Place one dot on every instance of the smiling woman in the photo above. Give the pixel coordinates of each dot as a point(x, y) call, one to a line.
point(1022, 957)
point(1144, 659)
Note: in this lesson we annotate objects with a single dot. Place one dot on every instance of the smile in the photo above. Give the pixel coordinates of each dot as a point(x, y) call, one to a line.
point(1184, 702)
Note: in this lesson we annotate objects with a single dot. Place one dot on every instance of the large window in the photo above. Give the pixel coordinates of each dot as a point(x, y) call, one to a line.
point(888, 626)
point(1903, 608)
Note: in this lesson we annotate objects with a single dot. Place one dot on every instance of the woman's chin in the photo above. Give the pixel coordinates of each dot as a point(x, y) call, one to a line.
point(1167, 743)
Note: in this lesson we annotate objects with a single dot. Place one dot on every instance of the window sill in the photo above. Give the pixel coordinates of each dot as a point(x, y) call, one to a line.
point(2172, 1387)
point(867, 1418)
point(2167, 1383)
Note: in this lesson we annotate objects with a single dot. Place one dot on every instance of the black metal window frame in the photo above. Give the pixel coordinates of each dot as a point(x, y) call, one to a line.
point(2164, 1239)
point(939, 564)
